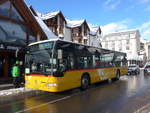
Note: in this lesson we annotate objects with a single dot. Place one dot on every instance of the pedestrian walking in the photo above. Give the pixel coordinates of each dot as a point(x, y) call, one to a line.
point(22, 71)
point(16, 75)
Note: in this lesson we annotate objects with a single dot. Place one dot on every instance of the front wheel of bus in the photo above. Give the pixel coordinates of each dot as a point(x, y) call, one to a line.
point(85, 81)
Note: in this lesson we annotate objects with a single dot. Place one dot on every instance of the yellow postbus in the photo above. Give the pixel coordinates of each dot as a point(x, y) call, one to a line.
point(56, 65)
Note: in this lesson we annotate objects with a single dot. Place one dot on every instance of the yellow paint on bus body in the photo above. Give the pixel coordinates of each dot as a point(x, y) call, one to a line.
point(71, 79)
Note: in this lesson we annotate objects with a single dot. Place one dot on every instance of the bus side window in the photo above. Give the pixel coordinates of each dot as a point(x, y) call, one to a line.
point(82, 62)
point(90, 62)
point(85, 62)
point(97, 61)
point(71, 62)
point(124, 61)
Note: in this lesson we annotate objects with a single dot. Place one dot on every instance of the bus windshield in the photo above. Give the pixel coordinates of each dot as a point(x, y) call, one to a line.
point(39, 59)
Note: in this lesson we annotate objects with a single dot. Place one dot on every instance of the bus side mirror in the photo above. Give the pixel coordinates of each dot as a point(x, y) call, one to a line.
point(60, 53)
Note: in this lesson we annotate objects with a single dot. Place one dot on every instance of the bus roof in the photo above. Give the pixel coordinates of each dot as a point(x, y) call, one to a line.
point(42, 41)
point(72, 43)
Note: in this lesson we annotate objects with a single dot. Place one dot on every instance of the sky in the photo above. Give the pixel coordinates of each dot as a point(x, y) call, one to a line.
point(110, 15)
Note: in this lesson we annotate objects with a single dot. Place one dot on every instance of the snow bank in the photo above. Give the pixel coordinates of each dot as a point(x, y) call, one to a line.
point(14, 91)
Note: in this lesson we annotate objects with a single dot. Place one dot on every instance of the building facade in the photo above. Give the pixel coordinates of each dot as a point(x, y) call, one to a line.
point(79, 30)
point(18, 28)
point(95, 36)
point(147, 51)
point(124, 41)
point(56, 23)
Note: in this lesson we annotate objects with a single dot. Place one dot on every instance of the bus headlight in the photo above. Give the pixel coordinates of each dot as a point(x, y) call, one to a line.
point(52, 84)
point(27, 82)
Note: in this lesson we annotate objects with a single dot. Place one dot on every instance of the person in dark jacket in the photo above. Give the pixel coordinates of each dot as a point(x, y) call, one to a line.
point(22, 71)
point(16, 75)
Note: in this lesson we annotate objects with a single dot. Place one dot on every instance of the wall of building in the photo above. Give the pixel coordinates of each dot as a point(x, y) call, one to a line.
point(94, 40)
point(147, 50)
point(128, 42)
point(67, 34)
point(15, 33)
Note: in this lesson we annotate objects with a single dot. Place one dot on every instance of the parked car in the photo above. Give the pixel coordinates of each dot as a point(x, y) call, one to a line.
point(133, 69)
point(147, 70)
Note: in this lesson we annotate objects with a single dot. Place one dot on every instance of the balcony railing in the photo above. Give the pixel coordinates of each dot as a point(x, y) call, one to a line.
point(76, 35)
point(56, 30)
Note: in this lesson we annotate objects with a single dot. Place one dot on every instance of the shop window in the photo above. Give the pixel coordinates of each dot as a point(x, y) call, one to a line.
point(8, 10)
point(16, 35)
point(4, 9)
point(15, 14)
point(2, 34)
point(32, 39)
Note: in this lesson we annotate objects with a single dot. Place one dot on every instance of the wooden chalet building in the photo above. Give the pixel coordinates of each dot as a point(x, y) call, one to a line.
point(56, 23)
point(79, 31)
point(18, 28)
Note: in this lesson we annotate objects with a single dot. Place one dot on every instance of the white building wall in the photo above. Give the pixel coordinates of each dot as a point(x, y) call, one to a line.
point(95, 40)
point(91, 40)
point(82, 27)
point(123, 45)
point(67, 35)
point(58, 23)
point(134, 47)
point(123, 40)
point(147, 51)
point(116, 45)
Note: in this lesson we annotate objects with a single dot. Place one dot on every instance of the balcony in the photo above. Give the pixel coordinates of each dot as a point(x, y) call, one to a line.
point(76, 35)
point(57, 29)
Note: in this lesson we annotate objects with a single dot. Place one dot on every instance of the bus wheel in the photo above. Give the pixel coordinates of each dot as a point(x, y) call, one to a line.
point(85, 81)
point(118, 75)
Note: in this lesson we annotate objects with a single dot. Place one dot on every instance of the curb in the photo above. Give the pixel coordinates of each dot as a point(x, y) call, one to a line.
point(18, 93)
point(6, 86)
point(144, 109)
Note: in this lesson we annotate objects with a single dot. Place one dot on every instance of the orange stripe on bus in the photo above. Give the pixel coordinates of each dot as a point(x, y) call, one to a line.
point(88, 69)
point(40, 75)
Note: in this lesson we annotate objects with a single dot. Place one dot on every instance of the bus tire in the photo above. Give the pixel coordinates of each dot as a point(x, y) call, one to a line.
point(85, 82)
point(118, 75)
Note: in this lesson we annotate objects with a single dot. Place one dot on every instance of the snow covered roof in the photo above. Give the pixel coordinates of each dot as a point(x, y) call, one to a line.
point(49, 15)
point(49, 34)
point(46, 30)
point(43, 41)
point(38, 14)
point(14, 91)
point(74, 23)
point(93, 29)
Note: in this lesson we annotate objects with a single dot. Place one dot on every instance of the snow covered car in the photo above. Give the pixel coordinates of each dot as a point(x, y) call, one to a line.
point(133, 69)
point(147, 70)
